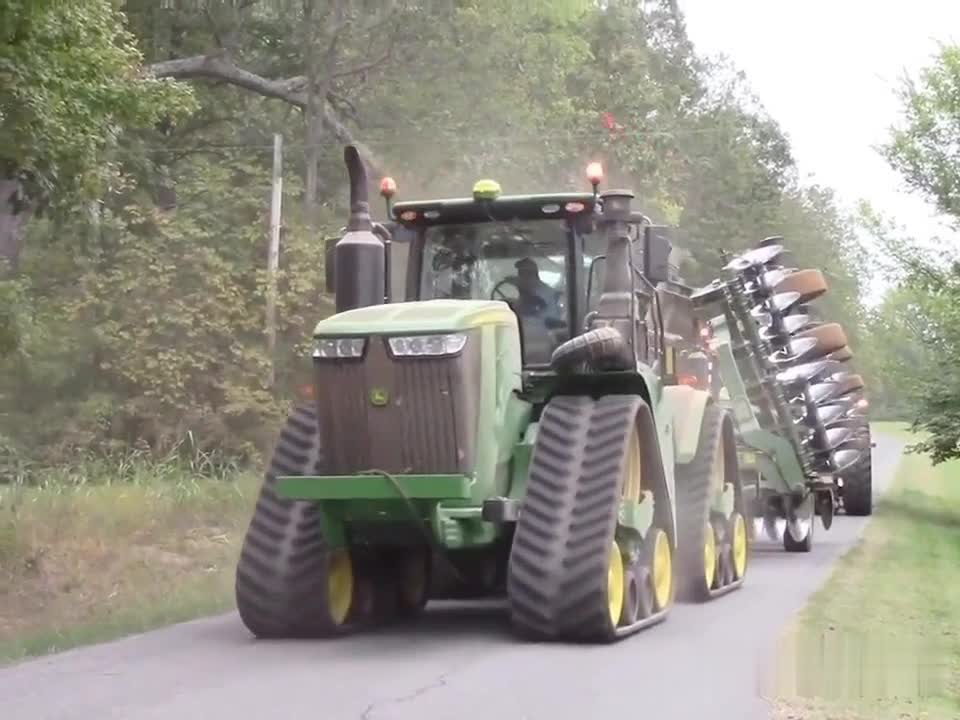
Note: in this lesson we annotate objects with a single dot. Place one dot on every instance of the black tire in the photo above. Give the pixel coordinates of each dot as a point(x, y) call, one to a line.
point(693, 502)
point(557, 570)
point(858, 489)
point(790, 544)
point(281, 581)
point(603, 347)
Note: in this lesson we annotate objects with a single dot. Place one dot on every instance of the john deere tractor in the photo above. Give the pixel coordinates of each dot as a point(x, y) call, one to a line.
point(497, 413)
point(800, 415)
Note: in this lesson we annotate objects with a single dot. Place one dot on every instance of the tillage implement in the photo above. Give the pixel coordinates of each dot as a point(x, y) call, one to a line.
point(802, 426)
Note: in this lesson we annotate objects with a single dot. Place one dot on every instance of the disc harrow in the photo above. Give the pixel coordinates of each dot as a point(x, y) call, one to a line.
point(802, 426)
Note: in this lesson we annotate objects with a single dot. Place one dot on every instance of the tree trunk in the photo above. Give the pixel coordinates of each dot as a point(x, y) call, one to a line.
point(15, 213)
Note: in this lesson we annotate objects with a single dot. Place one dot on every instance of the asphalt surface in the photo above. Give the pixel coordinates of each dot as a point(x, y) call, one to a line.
point(457, 663)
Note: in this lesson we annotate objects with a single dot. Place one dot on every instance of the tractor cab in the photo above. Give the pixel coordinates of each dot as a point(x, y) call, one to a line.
point(544, 255)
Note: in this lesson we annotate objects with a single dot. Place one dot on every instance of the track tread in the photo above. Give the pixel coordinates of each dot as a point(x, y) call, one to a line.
point(281, 574)
point(558, 562)
point(693, 505)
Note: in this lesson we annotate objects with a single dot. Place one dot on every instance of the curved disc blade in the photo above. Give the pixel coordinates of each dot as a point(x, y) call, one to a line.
point(752, 258)
point(772, 278)
point(785, 300)
point(805, 372)
point(824, 392)
point(828, 413)
point(836, 436)
point(797, 350)
point(792, 324)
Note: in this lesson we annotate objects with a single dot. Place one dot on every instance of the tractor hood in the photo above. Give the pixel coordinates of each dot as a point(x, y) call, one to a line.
point(418, 317)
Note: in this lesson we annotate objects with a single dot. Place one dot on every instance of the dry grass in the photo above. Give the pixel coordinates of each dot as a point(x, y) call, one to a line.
point(83, 559)
point(882, 638)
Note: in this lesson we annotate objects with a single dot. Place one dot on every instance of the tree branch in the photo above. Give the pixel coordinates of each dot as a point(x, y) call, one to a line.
point(219, 67)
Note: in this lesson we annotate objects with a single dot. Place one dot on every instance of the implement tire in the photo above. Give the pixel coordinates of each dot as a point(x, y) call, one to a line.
point(858, 485)
point(282, 582)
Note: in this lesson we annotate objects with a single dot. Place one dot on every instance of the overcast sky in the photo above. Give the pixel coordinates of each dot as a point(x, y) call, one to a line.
point(827, 71)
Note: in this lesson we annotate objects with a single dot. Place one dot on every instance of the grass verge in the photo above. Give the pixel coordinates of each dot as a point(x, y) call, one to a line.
point(881, 639)
point(88, 561)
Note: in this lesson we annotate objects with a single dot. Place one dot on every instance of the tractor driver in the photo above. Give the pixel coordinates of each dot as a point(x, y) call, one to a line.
point(536, 297)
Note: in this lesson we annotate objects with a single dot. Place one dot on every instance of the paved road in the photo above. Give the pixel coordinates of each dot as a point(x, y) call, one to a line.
point(458, 664)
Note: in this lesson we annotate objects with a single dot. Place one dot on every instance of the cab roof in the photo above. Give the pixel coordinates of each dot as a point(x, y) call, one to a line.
point(504, 208)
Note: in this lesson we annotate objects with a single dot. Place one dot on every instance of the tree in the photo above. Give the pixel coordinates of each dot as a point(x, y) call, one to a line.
point(925, 151)
point(69, 85)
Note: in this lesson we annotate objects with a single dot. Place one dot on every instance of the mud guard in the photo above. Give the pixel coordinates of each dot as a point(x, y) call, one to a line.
point(685, 407)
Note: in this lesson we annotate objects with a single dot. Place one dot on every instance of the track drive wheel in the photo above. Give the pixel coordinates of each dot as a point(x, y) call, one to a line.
point(567, 578)
point(289, 582)
point(705, 537)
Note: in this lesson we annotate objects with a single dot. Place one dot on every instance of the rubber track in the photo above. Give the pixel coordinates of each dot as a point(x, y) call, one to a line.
point(693, 503)
point(557, 575)
point(281, 574)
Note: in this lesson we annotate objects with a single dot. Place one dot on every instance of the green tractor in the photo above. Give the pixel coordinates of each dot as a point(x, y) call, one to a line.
point(496, 412)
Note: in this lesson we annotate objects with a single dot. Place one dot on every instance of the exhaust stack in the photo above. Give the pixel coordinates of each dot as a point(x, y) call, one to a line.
point(360, 258)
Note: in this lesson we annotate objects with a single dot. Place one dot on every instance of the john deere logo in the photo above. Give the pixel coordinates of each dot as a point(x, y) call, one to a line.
point(379, 397)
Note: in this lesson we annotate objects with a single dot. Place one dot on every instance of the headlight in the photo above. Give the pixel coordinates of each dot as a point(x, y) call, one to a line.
point(339, 347)
point(427, 345)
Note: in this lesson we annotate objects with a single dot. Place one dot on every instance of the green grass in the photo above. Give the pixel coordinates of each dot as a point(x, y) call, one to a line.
point(100, 551)
point(882, 638)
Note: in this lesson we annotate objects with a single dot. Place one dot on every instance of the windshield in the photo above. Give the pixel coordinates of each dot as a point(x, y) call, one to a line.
point(523, 263)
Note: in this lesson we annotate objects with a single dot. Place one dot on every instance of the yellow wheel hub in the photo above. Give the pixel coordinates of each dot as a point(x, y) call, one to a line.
point(739, 545)
point(709, 555)
point(339, 585)
point(615, 584)
point(662, 569)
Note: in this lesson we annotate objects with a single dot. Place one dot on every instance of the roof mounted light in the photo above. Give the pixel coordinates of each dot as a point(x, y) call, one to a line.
point(595, 174)
point(486, 190)
point(388, 187)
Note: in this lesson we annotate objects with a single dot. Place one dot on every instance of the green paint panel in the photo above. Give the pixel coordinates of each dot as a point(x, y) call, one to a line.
point(776, 459)
point(373, 487)
point(685, 407)
point(637, 516)
point(422, 316)
point(462, 527)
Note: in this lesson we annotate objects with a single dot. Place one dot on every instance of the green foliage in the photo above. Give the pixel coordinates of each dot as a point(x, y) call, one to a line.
point(160, 334)
point(914, 339)
point(69, 85)
point(919, 323)
point(140, 315)
point(925, 150)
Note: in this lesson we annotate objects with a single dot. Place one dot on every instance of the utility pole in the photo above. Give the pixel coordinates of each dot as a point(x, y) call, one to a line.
point(273, 255)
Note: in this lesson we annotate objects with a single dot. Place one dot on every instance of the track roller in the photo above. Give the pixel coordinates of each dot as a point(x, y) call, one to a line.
point(708, 540)
point(567, 576)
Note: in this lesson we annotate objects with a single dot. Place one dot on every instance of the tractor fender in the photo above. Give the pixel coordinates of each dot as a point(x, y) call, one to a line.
point(685, 407)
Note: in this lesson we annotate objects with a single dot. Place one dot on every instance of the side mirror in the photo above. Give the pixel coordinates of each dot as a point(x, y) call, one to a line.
point(656, 253)
point(329, 263)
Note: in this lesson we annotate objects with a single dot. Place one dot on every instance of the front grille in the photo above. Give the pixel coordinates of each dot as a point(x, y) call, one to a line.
point(429, 421)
